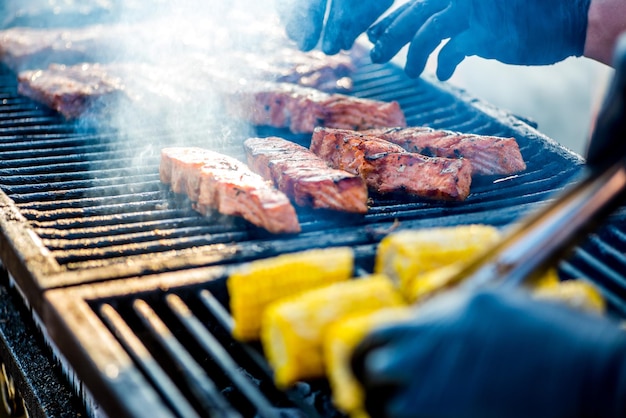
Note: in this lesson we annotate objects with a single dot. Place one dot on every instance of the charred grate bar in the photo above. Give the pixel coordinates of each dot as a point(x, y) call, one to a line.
point(601, 260)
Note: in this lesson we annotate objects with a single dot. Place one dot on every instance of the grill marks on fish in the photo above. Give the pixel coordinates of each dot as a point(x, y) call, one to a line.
point(216, 181)
point(98, 89)
point(302, 109)
point(489, 155)
point(71, 91)
point(304, 176)
point(387, 167)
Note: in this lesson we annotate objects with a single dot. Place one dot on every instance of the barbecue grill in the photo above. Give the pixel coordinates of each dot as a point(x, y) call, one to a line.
point(121, 285)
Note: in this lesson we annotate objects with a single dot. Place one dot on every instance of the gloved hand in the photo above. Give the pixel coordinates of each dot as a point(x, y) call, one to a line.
point(521, 32)
point(347, 19)
point(493, 354)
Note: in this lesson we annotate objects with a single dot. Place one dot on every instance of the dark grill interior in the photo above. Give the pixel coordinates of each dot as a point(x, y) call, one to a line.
point(132, 272)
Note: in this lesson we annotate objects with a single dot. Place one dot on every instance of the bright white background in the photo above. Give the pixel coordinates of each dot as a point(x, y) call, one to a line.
point(562, 98)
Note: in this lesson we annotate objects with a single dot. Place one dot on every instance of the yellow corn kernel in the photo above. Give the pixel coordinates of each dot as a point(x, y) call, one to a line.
point(432, 282)
point(405, 255)
point(341, 339)
point(293, 329)
point(255, 285)
point(547, 280)
point(428, 284)
point(578, 294)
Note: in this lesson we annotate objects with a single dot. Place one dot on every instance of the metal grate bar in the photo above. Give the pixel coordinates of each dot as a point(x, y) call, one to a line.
point(90, 253)
point(36, 191)
point(204, 389)
point(39, 208)
point(211, 345)
point(130, 228)
point(140, 354)
point(101, 191)
point(299, 397)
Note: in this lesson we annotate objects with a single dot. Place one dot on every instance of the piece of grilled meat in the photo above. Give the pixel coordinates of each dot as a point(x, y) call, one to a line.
point(73, 91)
point(304, 176)
point(302, 109)
point(387, 167)
point(216, 181)
point(488, 154)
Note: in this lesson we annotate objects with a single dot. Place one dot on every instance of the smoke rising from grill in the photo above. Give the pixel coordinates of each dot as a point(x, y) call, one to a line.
point(191, 55)
point(167, 65)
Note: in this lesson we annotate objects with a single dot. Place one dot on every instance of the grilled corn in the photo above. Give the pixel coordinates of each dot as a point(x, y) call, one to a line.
point(547, 280)
point(255, 285)
point(578, 294)
point(293, 329)
point(405, 255)
point(428, 284)
point(339, 343)
point(425, 285)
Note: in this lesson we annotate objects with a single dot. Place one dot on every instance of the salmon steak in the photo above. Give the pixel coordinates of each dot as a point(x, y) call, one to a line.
point(489, 155)
point(305, 177)
point(302, 109)
point(387, 167)
point(216, 181)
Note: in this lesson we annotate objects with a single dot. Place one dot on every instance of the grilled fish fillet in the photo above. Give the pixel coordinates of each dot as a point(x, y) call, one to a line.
point(216, 181)
point(488, 154)
point(72, 91)
point(387, 167)
point(304, 176)
point(302, 109)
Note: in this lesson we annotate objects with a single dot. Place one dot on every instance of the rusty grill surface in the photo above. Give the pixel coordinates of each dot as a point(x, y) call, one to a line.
point(129, 280)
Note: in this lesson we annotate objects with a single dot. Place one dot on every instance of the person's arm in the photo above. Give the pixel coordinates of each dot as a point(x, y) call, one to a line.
point(606, 21)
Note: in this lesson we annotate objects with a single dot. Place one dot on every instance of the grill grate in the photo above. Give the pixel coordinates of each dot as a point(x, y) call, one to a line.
point(177, 325)
point(180, 343)
point(130, 282)
point(94, 204)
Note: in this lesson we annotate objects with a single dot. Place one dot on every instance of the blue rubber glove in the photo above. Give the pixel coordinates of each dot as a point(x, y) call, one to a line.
point(521, 32)
point(347, 19)
point(496, 355)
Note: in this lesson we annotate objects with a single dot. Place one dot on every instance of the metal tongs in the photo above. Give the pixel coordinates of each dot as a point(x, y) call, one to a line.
point(543, 238)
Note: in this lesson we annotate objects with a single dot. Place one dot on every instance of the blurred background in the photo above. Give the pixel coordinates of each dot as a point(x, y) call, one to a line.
point(562, 98)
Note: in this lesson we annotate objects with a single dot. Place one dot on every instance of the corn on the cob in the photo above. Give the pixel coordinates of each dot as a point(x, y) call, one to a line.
point(405, 255)
point(578, 294)
point(339, 343)
point(428, 284)
point(547, 280)
point(255, 285)
point(293, 329)
point(425, 285)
